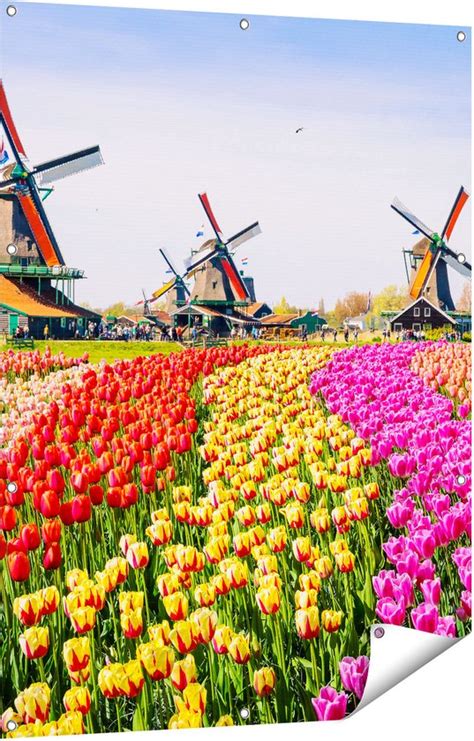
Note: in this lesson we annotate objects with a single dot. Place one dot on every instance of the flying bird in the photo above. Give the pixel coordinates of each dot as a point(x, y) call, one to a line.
point(300, 129)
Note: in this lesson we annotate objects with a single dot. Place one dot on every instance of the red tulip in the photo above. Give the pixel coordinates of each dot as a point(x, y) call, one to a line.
point(65, 513)
point(50, 504)
point(52, 556)
point(15, 498)
point(51, 531)
point(147, 476)
point(79, 482)
point(3, 546)
point(15, 545)
point(114, 496)
point(30, 536)
point(81, 508)
point(55, 480)
point(7, 518)
point(184, 443)
point(18, 566)
point(96, 493)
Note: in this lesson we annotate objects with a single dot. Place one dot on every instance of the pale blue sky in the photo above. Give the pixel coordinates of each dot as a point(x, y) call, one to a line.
point(186, 102)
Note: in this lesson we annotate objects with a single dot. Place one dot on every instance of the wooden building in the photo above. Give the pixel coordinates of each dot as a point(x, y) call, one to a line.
point(421, 315)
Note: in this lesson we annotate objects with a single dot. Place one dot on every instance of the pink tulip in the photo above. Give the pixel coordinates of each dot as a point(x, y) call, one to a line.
point(330, 704)
point(354, 674)
point(425, 617)
point(389, 611)
point(431, 590)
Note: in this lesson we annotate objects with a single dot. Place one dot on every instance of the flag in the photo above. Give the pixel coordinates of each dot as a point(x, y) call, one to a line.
point(245, 260)
point(3, 153)
point(416, 231)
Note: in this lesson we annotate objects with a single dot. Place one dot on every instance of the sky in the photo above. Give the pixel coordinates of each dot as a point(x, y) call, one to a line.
point(183, 102)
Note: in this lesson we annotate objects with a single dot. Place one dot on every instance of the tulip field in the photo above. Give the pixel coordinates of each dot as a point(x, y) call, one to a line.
point(205, 539)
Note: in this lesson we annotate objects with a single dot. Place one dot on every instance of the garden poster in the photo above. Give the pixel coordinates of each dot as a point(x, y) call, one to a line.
point(235, 364)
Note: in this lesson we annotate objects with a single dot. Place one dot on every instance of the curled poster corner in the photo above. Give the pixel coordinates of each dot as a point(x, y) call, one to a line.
point(397, 652)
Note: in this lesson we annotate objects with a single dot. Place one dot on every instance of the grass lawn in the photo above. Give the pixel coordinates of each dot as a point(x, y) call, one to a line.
point(107, 349)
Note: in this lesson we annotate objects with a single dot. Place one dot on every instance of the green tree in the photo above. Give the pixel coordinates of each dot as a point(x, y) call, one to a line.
point(390, 298)
point(283, 307)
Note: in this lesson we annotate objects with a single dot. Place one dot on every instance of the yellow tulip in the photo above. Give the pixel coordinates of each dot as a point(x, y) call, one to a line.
point(264, 681)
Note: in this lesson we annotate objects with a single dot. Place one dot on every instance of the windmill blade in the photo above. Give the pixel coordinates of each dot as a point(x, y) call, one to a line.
point(167, 260)
point(235, 278)
point(70, 164)
point(452, 259)
point(194, 262)
point(458, 205)
point(423, 273)
point(405, 213)
point(161, 291)
point(213, 221)
point(243, 236)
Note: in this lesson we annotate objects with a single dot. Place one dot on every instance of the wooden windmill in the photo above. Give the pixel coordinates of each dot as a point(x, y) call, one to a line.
point(217, 279)
point(175, 289)
point(30, 257)
point(430, 256)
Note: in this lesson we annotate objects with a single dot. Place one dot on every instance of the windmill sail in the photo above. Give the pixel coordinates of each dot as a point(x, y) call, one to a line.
point(401, 209)
point(251, 231)
point(464, 268)
point(63, 167)
point(458, 206)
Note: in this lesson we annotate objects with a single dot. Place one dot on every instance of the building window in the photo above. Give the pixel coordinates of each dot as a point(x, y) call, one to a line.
point(397, 327)
point(416, 311)
point(427, 311)
point(416, 327)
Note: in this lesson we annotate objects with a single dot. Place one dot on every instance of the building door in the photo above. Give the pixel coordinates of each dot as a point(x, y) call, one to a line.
point(12, 323)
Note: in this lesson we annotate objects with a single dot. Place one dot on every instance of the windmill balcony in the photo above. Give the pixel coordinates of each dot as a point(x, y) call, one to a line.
point(41, 271)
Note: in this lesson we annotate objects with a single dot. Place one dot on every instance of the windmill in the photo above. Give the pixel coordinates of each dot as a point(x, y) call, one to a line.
point(431, 256)
point(217, 277)
point(26, 183)
point(176, 288)
point(30, 257)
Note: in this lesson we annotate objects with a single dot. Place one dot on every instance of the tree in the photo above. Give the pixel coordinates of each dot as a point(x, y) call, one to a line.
point(321, 309)
point(89, 307)
point(353, 304)
point(120, 309)
point(464, 303)
point(283, 307)
point(390, 298)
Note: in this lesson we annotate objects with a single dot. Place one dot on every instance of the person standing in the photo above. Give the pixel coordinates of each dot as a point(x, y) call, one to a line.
point(46, 331)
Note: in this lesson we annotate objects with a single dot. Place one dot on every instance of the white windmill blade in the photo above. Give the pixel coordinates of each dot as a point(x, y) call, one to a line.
point(405, 213)
point(71, 164)
point(195, 261)
point(460, 265)
point(243, 236)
